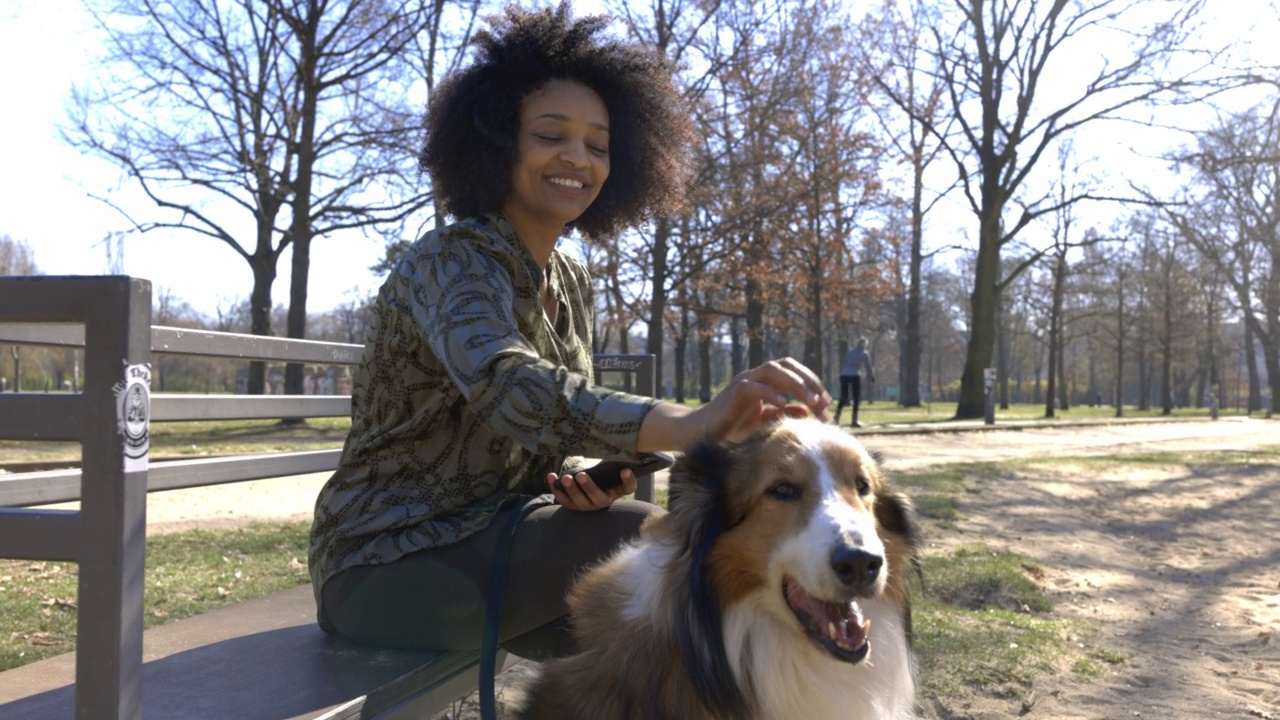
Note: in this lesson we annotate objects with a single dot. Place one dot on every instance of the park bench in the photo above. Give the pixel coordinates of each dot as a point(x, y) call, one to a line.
point(263, 659)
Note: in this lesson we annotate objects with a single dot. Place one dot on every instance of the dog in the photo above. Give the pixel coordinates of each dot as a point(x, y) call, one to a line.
point(775, 588)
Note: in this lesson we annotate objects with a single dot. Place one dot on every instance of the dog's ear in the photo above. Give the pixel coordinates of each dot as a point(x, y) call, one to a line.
point(895, 513)
point(698, 477)
point(698, 507)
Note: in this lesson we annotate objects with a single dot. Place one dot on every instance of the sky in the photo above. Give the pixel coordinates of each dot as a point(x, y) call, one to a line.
point(47, 46)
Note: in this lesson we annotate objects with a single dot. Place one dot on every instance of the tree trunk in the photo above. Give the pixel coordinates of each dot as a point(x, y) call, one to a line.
point(1037, 386)
point(1272, 359)
point(681, 350)
point(658, 302)
point(264, 274)
point(755, 309)
point(1054, 390)
point(704, 357)
point(735, 343)
point(1166, 350)
point(306, 30)
point(982, 303)
point(1118, 398)
point(909, 382)
point(681, 345)
point(813, 326)
point(1064, 388)
point(1270, 337)
point(1002, 354)
point(1251, 363)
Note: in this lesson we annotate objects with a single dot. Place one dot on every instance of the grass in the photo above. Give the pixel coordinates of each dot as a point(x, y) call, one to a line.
point(982, 623)
point(186, 574)
point(935, 491)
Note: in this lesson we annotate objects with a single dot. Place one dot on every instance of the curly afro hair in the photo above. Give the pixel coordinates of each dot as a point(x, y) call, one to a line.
point(474, 115)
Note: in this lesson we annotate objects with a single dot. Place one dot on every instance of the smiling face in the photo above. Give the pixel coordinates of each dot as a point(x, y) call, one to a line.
point(562, 158)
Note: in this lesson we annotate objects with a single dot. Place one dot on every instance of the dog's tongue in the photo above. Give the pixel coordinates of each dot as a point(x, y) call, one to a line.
point(841, 622)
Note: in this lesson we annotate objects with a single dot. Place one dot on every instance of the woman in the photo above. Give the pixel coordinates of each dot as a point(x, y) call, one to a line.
point(475, 385)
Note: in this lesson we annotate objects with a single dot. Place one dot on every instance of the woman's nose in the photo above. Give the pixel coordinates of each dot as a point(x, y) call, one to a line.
point(575, 154)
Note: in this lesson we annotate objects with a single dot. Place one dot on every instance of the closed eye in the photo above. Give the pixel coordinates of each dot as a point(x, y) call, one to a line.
point(784, 490)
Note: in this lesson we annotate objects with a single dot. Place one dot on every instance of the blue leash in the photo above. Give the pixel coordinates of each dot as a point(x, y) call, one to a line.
point(493, 608)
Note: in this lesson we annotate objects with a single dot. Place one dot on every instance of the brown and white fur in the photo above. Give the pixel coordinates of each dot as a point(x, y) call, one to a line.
point(775, 588)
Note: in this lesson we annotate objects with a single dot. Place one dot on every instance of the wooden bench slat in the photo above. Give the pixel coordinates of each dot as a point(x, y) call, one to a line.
point(41, 416)
point(39, 488)
point(40, 534)
point(51, 334)
point(263, 659)
point(174, 407)
point(198, 472)
point(206, 343)
point(57, 486)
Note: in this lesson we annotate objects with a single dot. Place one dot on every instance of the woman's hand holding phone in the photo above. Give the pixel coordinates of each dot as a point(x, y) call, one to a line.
point(599, 485)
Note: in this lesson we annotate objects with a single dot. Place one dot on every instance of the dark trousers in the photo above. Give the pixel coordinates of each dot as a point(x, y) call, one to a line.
point(850, 387)
point(435, 599)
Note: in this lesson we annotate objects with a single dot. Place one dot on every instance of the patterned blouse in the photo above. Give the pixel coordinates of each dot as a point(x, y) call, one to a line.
point(466, 393)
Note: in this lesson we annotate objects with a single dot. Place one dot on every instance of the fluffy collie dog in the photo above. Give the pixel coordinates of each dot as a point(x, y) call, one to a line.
point(775, 588)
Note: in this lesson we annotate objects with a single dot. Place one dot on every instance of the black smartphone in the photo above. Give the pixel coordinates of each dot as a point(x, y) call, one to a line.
point(608, 474)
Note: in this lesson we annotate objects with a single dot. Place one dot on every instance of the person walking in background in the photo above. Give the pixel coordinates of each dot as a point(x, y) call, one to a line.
point(851, 379)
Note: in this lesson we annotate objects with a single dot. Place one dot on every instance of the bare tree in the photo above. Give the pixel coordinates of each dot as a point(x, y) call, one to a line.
point(260, 123)
point(16, 257)
point(1231, 215)
point(1109, 294)
point(826, 246)
point(895, 38)
point(997, 58)
point(683, 32)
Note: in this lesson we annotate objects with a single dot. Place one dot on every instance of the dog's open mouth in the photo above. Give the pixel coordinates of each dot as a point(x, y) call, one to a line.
point(838, 627)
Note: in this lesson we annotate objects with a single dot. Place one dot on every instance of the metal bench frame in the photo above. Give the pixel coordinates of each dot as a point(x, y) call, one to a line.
point(110, 317)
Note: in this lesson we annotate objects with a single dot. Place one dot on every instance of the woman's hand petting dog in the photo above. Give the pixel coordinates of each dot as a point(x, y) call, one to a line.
point(761, 396)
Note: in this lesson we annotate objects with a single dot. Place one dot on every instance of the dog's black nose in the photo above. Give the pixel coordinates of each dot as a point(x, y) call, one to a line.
point(855, 567)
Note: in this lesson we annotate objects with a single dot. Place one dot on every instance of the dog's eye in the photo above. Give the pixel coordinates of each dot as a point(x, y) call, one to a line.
point(784, 491)
point(863, 486)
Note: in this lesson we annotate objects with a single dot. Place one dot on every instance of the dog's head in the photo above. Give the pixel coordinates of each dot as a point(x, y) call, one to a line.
point(800, 520)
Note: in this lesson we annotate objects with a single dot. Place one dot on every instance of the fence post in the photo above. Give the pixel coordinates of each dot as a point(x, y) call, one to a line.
point(113, 500)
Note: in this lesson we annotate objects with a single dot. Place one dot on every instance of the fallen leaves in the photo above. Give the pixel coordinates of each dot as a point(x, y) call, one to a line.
point(39, 638)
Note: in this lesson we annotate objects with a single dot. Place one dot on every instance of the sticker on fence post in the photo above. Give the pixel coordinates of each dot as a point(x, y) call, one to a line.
point(133, 415)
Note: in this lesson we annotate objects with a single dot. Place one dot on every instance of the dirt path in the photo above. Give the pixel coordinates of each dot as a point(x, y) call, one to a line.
point(1181, 571)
